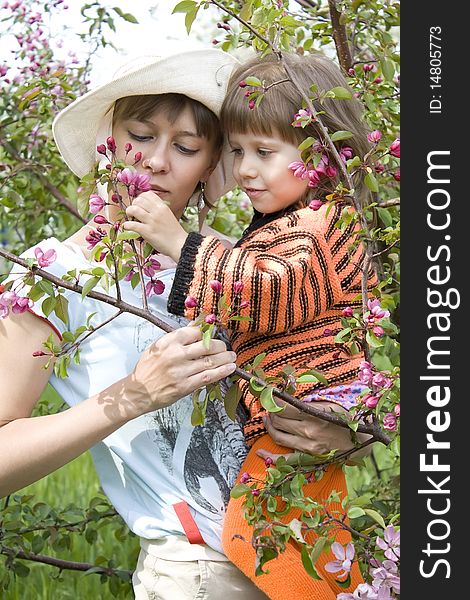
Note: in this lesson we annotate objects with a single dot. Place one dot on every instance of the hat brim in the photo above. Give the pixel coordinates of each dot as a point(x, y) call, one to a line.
point(200, 74)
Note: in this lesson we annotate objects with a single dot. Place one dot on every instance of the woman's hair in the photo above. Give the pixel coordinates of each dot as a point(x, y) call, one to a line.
point(172, 105)
point(276, 112)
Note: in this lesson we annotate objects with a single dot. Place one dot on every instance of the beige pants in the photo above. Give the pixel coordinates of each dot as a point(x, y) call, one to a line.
point(157, 578)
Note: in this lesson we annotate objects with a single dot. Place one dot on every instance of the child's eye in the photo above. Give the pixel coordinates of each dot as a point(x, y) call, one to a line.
point(184, 150)
point(264, 153)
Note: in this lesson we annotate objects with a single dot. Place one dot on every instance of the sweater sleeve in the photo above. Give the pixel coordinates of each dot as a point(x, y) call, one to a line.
point(287, 272)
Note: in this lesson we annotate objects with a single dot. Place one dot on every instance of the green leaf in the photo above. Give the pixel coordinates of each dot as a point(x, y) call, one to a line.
point(48, 305)
point(253, 82)
point(320, 377)
point(127, 235)
point(267, 400)
point(185, 6)
point(232, 397)
point(371, 182)
point(239, 490)
point(388, 69)
point(258, 360)
point(376, 516)
point(306, 379)
point(89, 285)
point(341, 135)
point(46, 286)
point(207, 336)
point(189, 19)
point(308, 563)
point(355, 511)
point(384, 216)
point(35, 293)
point(61, 308)
point(341, 93)
point(307, 143)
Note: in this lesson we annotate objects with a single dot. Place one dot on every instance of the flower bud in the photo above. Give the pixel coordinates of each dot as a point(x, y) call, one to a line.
point(396, 410)
point(115, 197)
point(128, 147)
point(251, 105)
point(137, 157)
point(255, 492)
point(238, 287)
point(347, 312)
point(111, 144)
point(327, 332)
point(242, 84)
point(211, 319)
point(315, 204)
point(370, 401)
point(378, 331)
point(395, 148)
point(101, 149)
point(190, 302)
point(39, 353)
point(244, 304)
point(216, 286)
point(396, 175)
point(268, 461)
point(100, 220)
point(245, 477)
point(351, 72)
point(374, 136)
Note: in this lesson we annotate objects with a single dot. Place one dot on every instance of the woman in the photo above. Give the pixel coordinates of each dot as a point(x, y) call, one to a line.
point(164, 477)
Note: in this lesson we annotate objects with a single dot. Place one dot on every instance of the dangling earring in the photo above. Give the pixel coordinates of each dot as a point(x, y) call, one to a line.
point(201, 199)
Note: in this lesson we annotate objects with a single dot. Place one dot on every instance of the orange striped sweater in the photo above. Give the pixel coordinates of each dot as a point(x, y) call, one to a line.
point(298, 277)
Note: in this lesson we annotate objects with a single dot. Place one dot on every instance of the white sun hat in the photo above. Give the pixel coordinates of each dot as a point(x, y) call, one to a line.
point(200, 74)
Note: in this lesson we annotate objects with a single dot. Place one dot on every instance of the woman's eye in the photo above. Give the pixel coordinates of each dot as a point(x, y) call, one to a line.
point(139, 138)
point(185, 150)
point(236, 151)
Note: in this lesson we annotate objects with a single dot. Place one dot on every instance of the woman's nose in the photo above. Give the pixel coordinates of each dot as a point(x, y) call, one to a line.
point(157, 161)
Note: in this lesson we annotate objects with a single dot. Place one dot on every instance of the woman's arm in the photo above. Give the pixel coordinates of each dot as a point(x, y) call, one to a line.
point(32, 447)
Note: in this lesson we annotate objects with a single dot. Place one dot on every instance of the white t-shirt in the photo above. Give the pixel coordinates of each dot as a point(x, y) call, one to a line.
point(157, 459)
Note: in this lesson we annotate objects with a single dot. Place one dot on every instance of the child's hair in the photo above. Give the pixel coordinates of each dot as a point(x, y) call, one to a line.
point(281, 102)
point(172, 105)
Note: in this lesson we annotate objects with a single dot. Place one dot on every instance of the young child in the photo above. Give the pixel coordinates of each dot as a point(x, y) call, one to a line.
point(298, 274)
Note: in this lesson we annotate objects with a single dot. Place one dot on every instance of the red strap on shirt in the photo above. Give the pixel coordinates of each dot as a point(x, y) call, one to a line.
point(189, 524)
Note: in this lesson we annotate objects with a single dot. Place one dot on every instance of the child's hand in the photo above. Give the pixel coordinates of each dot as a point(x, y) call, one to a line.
point(156, 224)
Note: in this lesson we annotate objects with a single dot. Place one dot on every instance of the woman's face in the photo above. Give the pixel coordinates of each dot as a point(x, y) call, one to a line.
point(174, 156)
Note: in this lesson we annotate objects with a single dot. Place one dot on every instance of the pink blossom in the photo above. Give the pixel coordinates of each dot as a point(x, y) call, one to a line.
point(396, 410)
point(211, 319)
point(302, 118)
point(370, 400)
point(96, 203)
point(244, 304)
point(390, 543)
point(330, 171)
point(368, 67)
point(94, 237)
point(216, 286)
point(351, 72)
point(380, 380)
point(299, 169)
point(378, 331)
point(154, 286)
point(255, 492)
point(245, 477)
point(396, 175)
point(151, 266)
point(135, 182)
point(376, 310)
point(313, 178)
point(395, 148)
point(386, 576)
point(374, 136)
point(11, 301)
point(344, 560)
point(238, 287)
point(45, 258)
point(379, 168)
point(190, 302)
point(347, 312)
point(378, 79)
point(346, 153)
point(315, 204)
point(390, 422)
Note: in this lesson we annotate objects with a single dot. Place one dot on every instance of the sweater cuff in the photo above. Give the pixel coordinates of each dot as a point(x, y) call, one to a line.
point(184, 274)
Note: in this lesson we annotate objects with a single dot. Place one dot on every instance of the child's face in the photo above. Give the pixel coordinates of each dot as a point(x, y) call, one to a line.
point(173, 154)
point(261, 170)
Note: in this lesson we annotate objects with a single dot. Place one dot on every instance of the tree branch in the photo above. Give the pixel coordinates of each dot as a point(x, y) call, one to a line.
point(372, 429)
point(340, 37)
point(62, 564)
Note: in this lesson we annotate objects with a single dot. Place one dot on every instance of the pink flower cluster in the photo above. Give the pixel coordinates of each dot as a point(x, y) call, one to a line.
point(45, 258)
point(302, 118)
point(384, 574)
point(136, 183)
point(313, 174)
point(10, 301)
point(376, 314)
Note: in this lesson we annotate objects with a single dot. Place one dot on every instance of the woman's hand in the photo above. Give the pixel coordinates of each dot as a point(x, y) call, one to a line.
point(156, 223)
point(300, 431)
point(174, 366)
